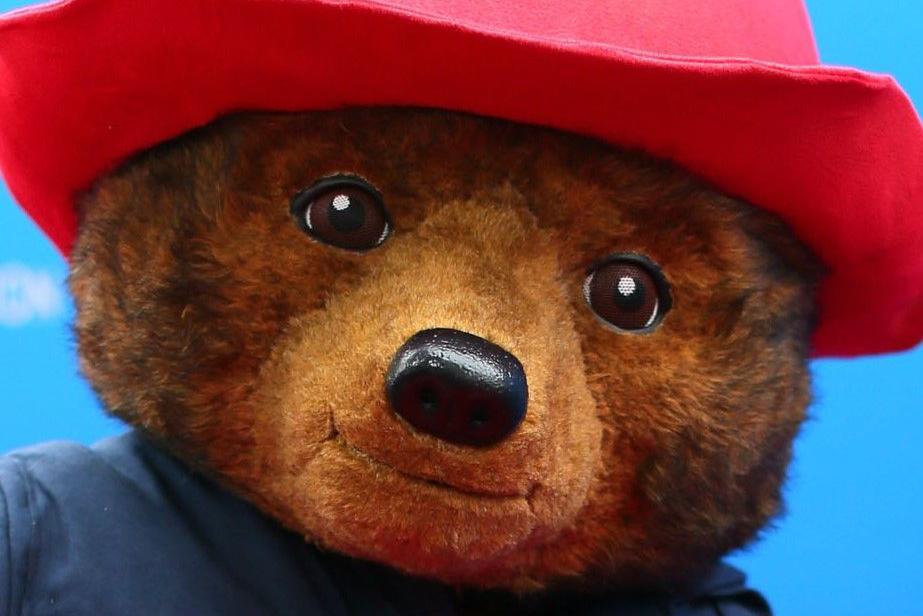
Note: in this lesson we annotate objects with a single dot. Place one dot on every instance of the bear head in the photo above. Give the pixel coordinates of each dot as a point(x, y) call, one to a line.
point(477, 351)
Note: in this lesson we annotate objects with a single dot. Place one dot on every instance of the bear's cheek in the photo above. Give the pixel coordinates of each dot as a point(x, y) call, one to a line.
point(343, 467)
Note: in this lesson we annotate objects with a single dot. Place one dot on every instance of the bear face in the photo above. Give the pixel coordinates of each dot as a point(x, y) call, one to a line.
point(253, 334)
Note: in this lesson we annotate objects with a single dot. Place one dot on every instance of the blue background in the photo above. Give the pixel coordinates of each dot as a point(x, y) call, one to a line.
point(852, 540)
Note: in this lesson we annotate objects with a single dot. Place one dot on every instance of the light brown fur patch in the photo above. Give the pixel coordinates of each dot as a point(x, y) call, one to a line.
point(209, 320)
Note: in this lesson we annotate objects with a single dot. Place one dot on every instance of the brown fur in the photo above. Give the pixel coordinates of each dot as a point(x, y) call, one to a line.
point(209, 320)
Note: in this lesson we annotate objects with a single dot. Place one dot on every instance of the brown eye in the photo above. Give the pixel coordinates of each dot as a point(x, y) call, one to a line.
point(629, 292)
point(343, 211)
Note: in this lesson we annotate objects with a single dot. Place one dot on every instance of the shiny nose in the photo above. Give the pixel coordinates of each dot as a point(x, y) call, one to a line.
point(457, 387)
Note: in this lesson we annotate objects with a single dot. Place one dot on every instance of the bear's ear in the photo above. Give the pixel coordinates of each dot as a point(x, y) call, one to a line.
point(789, 256)
point(785, 261)
point(197, 155)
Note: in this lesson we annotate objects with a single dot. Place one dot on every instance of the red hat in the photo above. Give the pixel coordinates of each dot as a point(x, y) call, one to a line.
point(730, 89)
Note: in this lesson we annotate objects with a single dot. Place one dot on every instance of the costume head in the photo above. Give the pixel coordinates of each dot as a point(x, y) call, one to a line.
point(487, 341)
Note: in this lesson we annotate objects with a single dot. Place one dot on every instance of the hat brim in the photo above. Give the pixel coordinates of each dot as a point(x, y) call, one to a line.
point(837, 153)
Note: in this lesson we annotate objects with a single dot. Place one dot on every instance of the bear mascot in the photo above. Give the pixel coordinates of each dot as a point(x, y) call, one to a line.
point(424, 307)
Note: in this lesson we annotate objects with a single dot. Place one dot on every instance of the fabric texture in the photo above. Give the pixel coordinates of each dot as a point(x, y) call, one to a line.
point(122, 528)
point(729, 89)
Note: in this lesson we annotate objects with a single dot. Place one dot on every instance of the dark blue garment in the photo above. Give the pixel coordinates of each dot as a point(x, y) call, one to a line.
point(122, 528)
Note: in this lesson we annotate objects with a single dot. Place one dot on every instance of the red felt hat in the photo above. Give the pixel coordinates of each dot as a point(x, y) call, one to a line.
point(730, 89)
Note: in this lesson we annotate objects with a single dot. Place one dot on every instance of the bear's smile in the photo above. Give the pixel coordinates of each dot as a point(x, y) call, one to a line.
point(376, 466)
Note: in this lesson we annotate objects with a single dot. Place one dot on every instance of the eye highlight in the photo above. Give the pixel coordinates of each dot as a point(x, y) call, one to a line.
point(629, 292)
point(343, 211)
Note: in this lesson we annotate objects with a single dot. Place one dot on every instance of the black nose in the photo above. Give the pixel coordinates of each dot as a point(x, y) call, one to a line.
point(457, 387)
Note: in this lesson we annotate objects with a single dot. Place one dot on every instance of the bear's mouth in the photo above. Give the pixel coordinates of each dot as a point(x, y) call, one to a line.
point(368, 509)
point(377, 466)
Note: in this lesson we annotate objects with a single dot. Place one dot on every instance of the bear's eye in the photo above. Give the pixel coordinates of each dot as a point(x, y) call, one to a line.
point(343, 211)
point(628, 292)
